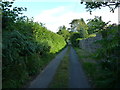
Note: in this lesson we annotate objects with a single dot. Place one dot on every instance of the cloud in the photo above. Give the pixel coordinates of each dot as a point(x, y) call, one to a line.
point(49, 16)
point(53, 18)
point(63, 15)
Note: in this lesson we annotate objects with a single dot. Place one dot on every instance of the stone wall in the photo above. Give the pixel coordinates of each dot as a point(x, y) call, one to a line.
point(89, 45)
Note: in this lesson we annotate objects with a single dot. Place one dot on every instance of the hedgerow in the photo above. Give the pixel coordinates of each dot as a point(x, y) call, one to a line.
point(74, 37)
point(55, 41)
point(24, 45)
point(108, 56)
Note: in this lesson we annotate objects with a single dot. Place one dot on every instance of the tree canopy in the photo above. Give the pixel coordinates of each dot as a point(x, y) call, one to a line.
point(96, 24)
point(94, 4)
point(24, 45)
point(79, 25)
point(64, 33)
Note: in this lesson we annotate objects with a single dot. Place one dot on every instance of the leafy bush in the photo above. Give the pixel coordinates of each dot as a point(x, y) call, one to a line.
point(74, 39)
point(108, 55)
point(13, 62)
point(64, 32)
point(55, 41)
point(23, 51)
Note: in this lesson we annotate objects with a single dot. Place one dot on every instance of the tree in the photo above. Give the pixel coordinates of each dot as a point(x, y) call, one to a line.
point(24, 45)
point(96, 25)
point(10, 16)
point(73, 39)
point(79, 25)
point(108, 54)
point(64, 33)
point(93, 4)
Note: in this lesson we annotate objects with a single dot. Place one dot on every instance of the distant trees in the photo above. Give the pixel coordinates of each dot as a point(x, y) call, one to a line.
point(74, 37)
point(64, 33)
point(96, 25)
point(79, 29)
point(79, 25)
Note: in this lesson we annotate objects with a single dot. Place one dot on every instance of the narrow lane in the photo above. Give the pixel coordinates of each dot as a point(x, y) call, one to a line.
point(46, 76)
point(77, 76)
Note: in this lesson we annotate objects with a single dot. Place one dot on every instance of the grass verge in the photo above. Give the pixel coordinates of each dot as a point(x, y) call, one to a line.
point(89, 65)
point(61, 77)
point(98, 77)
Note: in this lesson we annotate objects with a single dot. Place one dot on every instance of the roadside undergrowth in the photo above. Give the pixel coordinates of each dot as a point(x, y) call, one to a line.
point(89, 65)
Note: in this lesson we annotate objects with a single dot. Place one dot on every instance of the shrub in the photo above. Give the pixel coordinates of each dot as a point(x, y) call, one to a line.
point(24, 45)
point(74, 39)
point(55, 41)
point(108, 55)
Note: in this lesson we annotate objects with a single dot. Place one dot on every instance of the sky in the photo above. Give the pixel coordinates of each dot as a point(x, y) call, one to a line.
point(56, 13)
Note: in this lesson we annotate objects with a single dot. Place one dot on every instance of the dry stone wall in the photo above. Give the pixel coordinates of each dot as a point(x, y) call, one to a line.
point(89, 45)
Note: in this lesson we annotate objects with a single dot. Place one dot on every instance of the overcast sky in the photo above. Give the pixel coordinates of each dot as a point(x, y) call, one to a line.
point(55, 13)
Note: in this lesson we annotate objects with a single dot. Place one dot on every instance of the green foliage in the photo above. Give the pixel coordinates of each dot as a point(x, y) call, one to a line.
point(55, 41)
point(13, 64)
point(91, 35)
point(23, 52)
point(64, 33)
point(78, 25)
point(90, 68)
point(93, 4)
point(96, 25)
point(9, 16)
point(19, 53)
point(74, 39)
point(108, 54)
point(99, 77)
